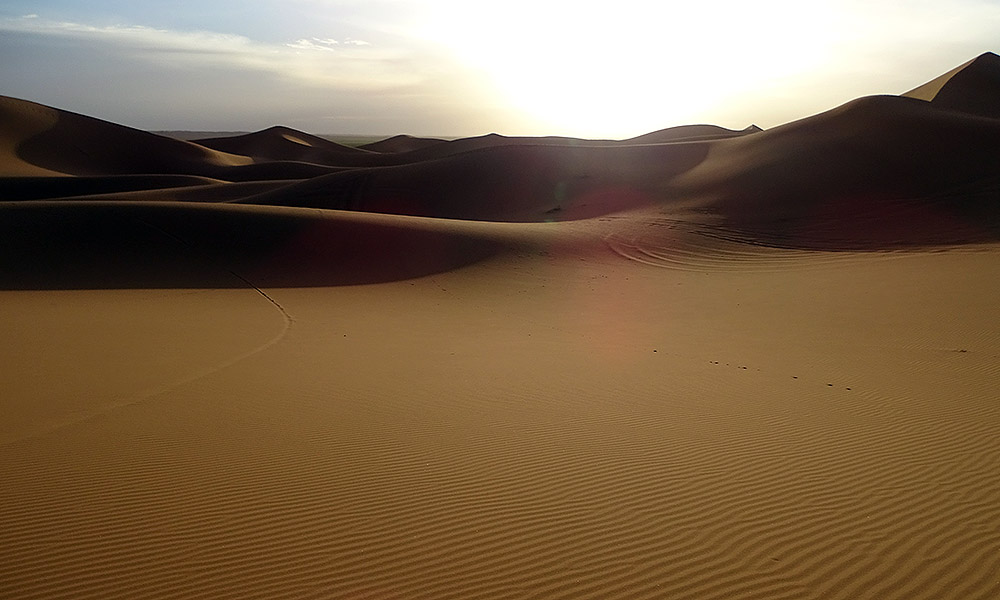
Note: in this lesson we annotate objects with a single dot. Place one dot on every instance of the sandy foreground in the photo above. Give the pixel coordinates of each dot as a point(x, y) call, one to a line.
point(593, 379)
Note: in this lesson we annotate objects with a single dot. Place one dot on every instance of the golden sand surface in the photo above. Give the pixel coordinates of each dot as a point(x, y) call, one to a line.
point(707, 364)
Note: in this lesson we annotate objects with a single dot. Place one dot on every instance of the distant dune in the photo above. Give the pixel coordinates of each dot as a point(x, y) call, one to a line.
point(826, 181)
point(686, 133)
point(283, 143)
point(501, 183)
point(401, 143)
point(41, 140)
point(696, 364)
point(192, 135)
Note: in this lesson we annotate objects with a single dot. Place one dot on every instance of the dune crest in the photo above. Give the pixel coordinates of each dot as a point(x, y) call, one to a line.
point(401, 143)
point(285, 144)
point(882, 170)
point(686, 133)
point(973, 87)
point(62, 142)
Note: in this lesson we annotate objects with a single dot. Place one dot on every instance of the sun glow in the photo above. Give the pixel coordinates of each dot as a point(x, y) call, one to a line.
point(624, 68)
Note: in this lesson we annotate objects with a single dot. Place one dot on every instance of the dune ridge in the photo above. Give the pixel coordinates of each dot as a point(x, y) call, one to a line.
point(812, 183)
point(401, 143)
point(971, 87)
point(285, 144)
point(858, 170)
point(699, 363)
point(72, 144)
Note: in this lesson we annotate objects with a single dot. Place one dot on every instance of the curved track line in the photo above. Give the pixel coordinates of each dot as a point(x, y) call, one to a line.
point(163, 388)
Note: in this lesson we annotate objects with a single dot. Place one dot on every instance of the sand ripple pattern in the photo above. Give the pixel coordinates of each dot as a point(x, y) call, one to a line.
point(670, 491)
point(690, 247)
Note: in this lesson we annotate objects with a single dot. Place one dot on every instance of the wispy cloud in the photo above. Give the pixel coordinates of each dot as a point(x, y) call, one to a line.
point(314, 44)
point(328, 44)
point(352, 64)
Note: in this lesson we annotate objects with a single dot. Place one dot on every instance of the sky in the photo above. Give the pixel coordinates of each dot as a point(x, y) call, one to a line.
point(610, 69)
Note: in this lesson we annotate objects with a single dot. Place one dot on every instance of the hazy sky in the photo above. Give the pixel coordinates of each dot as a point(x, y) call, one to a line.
point(615, 68)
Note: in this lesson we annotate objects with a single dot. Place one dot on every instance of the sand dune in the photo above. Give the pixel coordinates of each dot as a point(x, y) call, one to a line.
point(40, 188)
point(501, 183)
point(44, 139)
point(973, 87)
point(192, 135)
point(401, 143)
point(286, 144)
point(687, 133)
point(878, 171)
point(493, 140)
point(107, 245)
point(700, 363)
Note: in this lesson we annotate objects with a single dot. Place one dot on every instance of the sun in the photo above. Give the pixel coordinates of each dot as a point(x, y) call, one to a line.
point(623, 68)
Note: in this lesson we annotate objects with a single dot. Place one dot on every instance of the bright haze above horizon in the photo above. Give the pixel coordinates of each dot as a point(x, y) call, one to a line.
point(461, 67)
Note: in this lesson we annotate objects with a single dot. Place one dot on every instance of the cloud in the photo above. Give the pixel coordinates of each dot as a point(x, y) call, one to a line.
point(325, 62)
point(161, 78)
point(314, 44)
point(327, 45)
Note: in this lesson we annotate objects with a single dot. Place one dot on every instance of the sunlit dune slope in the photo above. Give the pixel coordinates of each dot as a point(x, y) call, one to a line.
point(39, 140)
point(973, 87)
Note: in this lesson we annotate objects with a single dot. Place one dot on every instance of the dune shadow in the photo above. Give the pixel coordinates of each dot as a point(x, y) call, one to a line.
point(517, 183)
point(41, 188)
point(869, 221)
point(70, 245)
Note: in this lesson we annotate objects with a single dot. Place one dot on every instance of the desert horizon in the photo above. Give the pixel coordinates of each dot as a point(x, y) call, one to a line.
point(699, 362)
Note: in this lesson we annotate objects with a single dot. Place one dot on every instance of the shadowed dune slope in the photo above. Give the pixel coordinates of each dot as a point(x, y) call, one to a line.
point(40, 139)
point(284, 144)
point(401, 143)
point(40, 188)
point(192, 135)
point(973, 87)
point(682, 133)
point(490, 140)
point(93, 245)
point(275, 170)
point(224, 192)
point(878, 170)
point(503, 183)
point(686, 133)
